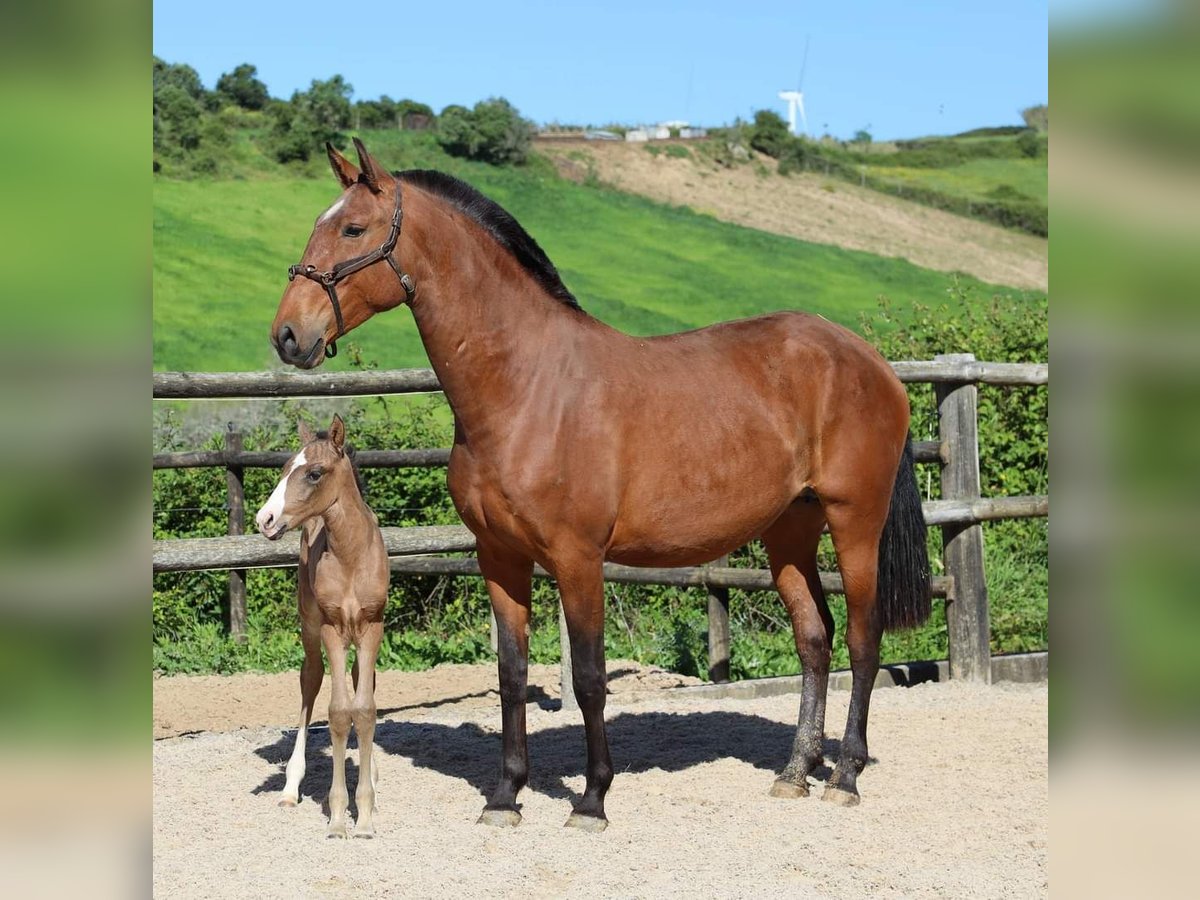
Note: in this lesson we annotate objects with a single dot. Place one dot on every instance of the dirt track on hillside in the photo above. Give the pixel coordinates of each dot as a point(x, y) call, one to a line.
point(815, 208)
point(954, 803)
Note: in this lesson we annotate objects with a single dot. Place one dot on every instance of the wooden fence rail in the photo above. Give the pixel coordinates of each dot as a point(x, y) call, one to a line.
point(242, 385)
point(417, 551)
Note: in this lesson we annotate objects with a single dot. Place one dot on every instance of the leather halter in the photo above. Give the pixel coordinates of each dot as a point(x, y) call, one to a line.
point(329, 279)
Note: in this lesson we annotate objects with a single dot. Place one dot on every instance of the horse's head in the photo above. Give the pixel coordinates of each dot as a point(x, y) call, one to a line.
point(312, 480)
point(349, 271)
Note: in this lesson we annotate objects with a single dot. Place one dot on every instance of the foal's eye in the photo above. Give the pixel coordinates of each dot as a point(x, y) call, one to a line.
point(354, 231)
point(314, 475)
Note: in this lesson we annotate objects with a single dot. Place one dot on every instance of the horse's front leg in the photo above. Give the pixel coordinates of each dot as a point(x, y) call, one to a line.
point(581, 583)
point(312, 673)
point(363, 712)
point(508, 580)
point(339, 727)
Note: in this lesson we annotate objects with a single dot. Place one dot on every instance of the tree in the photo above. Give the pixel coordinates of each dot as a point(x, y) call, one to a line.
point(769, 133)
point(311, 118)
point(493, 131)
point(862, 136)
point(178, 75)
point(242, 88)
point(1037, 117)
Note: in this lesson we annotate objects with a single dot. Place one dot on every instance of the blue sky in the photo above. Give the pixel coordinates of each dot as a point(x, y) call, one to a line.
point(900, 69)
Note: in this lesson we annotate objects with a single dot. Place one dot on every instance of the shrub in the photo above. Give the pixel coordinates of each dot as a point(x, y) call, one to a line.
point(769, 133)
point(493, 132)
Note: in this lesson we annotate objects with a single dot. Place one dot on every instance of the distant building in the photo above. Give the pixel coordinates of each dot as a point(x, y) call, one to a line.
point(601, 135)
point(637, 134)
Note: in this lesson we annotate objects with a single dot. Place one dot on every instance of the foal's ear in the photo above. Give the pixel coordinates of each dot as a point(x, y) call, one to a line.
point(346, 171)
point(373, 175)
point(337, 433)
point(306, 433)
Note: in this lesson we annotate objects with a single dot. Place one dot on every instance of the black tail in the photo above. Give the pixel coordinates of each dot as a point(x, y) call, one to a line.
point(903, 587)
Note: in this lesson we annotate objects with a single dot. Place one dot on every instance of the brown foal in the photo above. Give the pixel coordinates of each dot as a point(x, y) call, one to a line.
point(575, 443)
point(342, 589)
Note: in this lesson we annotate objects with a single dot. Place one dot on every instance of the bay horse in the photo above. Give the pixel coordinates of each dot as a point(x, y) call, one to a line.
point(575, 443)
point(342, 586)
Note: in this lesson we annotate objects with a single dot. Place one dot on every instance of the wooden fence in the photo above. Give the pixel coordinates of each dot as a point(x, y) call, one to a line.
point(414, 550)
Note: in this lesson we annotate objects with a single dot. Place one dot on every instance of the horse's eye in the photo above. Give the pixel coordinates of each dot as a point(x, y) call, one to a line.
point(314, 475)
point(354, 231)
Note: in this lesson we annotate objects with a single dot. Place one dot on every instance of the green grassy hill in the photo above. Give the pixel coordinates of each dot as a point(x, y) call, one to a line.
point(222, 247)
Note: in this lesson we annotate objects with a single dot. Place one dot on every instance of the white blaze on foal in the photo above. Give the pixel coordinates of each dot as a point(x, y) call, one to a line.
point(271, 513)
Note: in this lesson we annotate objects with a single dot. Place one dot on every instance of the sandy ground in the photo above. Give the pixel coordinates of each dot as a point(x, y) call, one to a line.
point(954, 802)
point(814, 208)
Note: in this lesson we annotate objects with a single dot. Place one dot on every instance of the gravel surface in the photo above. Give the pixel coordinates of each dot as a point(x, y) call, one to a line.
point(954, 802)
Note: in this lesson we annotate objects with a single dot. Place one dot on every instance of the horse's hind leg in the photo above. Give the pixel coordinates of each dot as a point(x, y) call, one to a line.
point(312, 672)
point(363, 711)
point(856, 532)
point(791, 544)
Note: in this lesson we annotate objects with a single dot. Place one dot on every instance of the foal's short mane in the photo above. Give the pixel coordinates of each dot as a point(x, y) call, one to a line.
point(506, 230)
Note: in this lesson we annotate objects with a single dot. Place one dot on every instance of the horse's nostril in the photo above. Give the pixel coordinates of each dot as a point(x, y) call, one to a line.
point(287, 340)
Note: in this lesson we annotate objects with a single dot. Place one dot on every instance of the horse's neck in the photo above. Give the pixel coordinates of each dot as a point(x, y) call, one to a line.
point(486, 324)
point(347, 523)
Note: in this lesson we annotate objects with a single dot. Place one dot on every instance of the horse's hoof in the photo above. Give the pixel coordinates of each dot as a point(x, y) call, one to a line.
point(499, 818)
point(788, 790)
point(336, 831)
point(585, 823)
point(364, 831)
point(840, 797)
point(287, 802)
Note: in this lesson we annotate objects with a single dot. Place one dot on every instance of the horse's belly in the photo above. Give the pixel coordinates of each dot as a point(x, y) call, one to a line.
point(688, 530)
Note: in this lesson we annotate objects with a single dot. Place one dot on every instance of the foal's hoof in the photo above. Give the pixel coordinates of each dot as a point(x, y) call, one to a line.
point(840, 796)
point(788, 790)
point(287, 802)
point(585, 823)
point(336, 831)
point(499, 818)
point(364, 831)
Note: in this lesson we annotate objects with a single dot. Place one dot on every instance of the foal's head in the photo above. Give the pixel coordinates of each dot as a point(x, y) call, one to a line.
point(357, 224)
point(312, 481)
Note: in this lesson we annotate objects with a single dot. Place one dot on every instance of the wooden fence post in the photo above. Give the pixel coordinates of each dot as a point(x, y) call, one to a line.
point(235, 484)
point(967, 610)
point(566, 677)
point(718, 629)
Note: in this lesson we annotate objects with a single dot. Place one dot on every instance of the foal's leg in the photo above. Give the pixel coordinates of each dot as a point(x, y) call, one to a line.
point(791, 544)
point(339, 728)
point(312, 672)
point(354, 683)
point(363, 711)
point(582, 586)
point(856, 538)
point(509, 586)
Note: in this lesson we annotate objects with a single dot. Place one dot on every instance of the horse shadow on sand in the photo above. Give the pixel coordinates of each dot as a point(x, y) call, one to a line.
point(639, 742)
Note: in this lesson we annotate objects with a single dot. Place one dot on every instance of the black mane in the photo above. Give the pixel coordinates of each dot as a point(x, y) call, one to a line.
point(506, 230)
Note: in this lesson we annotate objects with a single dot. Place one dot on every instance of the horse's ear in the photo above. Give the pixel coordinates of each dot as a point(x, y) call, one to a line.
point(346, 171)
point(373, 175)
point(337, 433)
point(306, 433)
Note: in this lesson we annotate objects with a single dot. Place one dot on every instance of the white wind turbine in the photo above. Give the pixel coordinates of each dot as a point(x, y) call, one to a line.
point(795, 99)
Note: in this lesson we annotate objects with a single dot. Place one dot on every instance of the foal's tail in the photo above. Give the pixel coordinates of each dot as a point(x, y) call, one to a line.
point(903, 596)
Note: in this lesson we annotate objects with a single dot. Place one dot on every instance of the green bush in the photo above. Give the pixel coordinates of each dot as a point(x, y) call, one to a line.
point(492, 132)
point(769, 134)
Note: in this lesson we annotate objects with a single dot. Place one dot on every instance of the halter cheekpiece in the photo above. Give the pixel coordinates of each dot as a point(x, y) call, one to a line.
point(328, 280)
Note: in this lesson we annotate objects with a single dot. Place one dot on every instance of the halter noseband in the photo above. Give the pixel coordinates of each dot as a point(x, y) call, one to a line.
point(328, 280)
